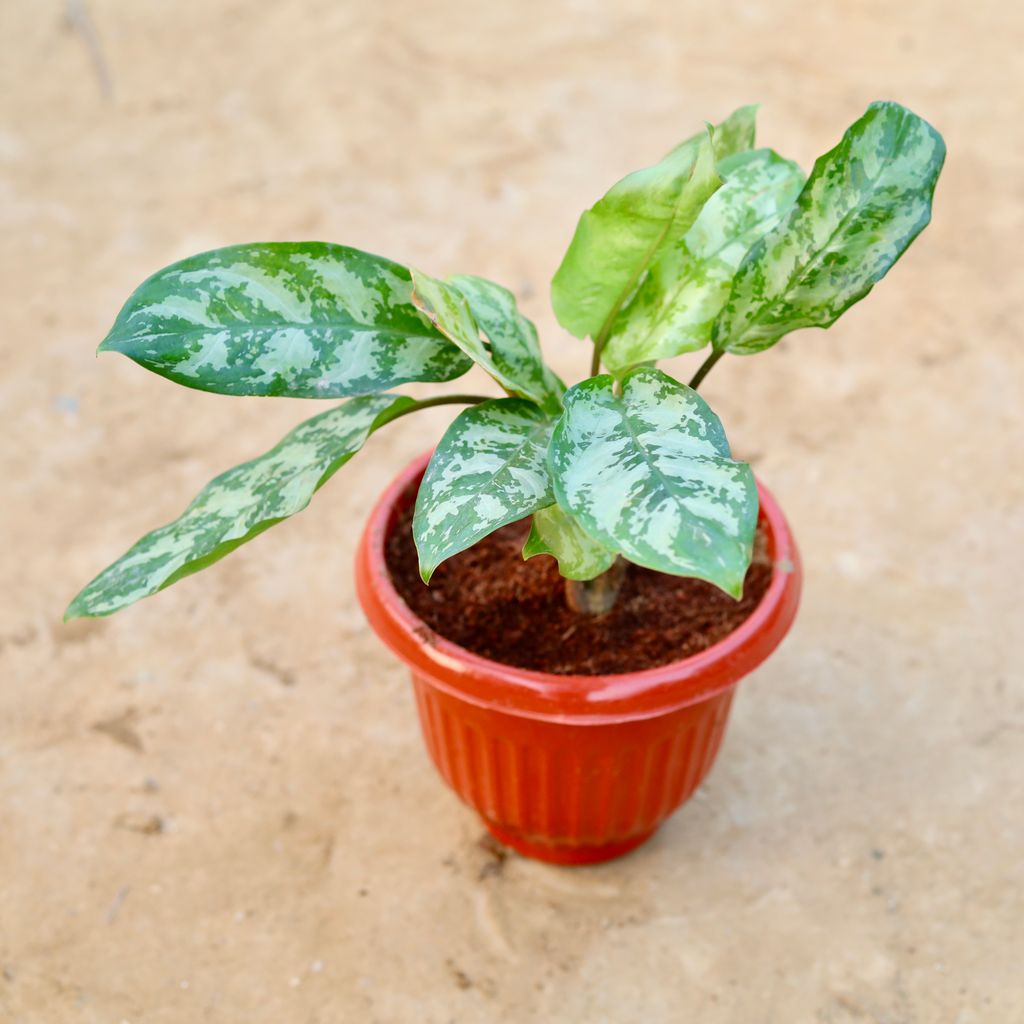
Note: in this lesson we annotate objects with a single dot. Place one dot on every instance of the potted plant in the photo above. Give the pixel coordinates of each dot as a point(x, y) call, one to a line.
point(575, 699)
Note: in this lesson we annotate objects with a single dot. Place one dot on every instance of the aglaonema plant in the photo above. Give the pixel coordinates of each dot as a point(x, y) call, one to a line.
point(719, 246)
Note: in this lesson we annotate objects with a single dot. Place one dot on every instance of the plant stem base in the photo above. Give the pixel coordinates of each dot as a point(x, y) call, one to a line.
point(596, 596)
point(565, 855)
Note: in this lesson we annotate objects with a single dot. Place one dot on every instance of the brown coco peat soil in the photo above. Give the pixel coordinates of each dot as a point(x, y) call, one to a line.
point(490, 601)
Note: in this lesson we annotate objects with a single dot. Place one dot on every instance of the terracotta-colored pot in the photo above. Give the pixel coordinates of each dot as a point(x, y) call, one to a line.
point(571, 769)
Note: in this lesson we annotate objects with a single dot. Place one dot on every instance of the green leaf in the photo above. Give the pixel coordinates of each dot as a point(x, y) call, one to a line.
point(239, 504)
point(555, 532)
point(623, 234)
point(648, 473)
point(674, 309)
point(864, 203)
point(299, 319)
point(515, 349)
point(489, 469)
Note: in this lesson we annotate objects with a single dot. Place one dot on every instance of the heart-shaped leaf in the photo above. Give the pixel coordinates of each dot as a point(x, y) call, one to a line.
point(299, 319)
point(648, 473)
point(514, 347)
point(555, 532)
point(622, 235)
point(489, 469)
point(239, 504)
point(865, 202)
point(674, 309)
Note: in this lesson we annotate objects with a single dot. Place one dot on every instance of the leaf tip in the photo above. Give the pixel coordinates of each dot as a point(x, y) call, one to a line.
point(533, 545)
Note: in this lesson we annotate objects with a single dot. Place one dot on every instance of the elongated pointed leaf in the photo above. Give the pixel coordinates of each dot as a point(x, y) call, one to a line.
point(864, 203)
point(489, 469)
point(648, 473)
point(622, 235)
point(239, 504)
point(299, 319)
point(674, 309)
point(555, 532)
point(515, 349)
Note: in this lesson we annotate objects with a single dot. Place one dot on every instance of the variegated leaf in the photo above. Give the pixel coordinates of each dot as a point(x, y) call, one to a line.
point(623, 234)
point(449, 310)
point(864, 203)
point(674, 309)
point(489, 469)
point(299, 319)
point(515, 349)
point(239, 504)
point(555, 532)
point(648, 473)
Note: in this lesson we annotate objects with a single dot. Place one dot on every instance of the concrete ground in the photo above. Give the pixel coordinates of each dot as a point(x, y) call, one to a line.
point(216, 806)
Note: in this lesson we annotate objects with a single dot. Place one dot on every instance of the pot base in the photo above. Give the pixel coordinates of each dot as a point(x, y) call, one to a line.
point(563, 854)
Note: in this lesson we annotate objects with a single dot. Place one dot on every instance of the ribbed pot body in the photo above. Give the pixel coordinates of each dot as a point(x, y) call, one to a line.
point(571, 769)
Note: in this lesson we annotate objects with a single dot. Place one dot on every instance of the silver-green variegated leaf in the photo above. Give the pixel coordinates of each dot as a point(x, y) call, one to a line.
point(489, 469)
point(515, 348)
point(555, 532)
point(674, 309)
point(649, 474)
point(865, 201)
point(239, 504)
point(298, 319)
point(452, 313)
point(622, 235)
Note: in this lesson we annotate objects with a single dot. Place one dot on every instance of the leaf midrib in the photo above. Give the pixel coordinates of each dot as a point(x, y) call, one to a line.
point(530, 438)
point(665, 482)
point(351, 326)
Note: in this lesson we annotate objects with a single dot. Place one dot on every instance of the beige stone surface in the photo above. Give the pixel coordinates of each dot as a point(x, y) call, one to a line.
point(216, 806)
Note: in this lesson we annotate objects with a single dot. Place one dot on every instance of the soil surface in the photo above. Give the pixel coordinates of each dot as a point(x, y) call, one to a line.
point(490, 601)
point(216, 805)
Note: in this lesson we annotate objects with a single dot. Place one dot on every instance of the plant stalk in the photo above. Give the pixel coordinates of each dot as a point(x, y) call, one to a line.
point(601, 340)
point(427, 403)
point(705, 368)
point(596, 596)
point(595, 359)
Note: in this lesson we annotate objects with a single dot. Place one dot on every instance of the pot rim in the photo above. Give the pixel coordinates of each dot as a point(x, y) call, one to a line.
point(581, 699)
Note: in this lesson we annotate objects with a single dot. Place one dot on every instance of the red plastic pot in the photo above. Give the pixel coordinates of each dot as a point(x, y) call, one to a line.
point(571, 769)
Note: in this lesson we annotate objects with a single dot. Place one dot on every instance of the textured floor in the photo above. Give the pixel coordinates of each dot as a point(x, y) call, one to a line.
point(216, 806)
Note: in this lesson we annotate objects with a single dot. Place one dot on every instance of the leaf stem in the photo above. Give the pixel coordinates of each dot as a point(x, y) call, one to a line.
point(427, 403)
point(595, 359)
point(705, 368)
